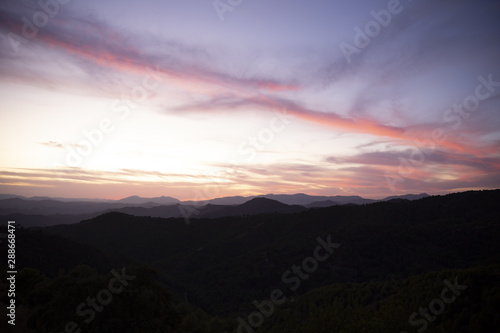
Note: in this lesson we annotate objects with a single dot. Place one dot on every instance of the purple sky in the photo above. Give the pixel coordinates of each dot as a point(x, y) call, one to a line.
point(199, 99)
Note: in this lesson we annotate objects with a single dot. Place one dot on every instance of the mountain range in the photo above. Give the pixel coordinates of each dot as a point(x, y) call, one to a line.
point(40, 211)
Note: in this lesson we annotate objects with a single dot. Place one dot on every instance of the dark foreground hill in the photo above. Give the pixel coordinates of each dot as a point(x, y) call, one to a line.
point(214, 258)
point(344, 267)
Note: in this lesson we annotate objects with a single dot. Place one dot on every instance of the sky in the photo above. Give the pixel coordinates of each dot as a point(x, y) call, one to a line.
point(199, 99)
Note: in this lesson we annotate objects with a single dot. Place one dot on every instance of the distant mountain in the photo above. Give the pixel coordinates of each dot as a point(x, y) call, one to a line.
point(38, 198)
point(52, 253)
point(295, 199)
point(41, 211)
point(50, 207)
point(136, 200)
point(69, 199)
point(252, 207)
point(234, 200)
point(10, 196)
point(407, 197)
point(255, 206)
point(324, 203)
point(351, 199)
point(289, 199)
point(165, 211)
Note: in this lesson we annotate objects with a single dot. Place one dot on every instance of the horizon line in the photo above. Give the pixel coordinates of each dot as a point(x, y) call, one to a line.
point(246, 196)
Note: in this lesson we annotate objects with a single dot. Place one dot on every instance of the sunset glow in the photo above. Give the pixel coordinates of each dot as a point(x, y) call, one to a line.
point(110, 99)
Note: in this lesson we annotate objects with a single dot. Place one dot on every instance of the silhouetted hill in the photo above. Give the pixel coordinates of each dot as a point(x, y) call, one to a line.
point(305, 199)
point(28, 221)
point(253, 207)
point(156, 211)
point(50, 253)
point(324, 203)
point(292, 199)
point(234, 200)
point(10, 196)
point(136, 200)
point(407, 197)
point(396, 305)
point(353, 199)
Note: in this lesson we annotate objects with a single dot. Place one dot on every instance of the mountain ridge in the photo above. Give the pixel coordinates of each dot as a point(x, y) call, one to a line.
point(291, 199)
point(39, 211)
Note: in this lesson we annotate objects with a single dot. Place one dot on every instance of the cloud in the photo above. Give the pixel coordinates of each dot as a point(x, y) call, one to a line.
point(432, 171)
point(52, 144)
point(281, 104)
point(96, 47)
point(363, 175)
point(59, 145)
point(429, 157)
